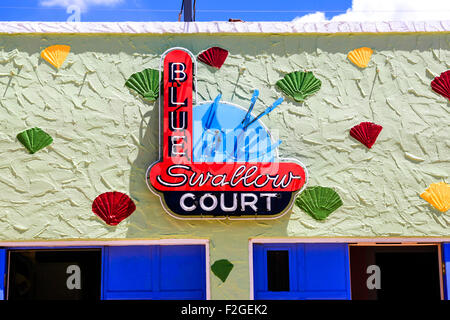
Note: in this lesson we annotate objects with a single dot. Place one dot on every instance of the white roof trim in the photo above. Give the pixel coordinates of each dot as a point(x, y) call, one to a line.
point(15, 27)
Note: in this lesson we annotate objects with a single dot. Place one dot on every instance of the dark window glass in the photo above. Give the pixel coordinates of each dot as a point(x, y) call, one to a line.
point(405, 272)
point(278, 270)
point(410, 275)
point(54, 274)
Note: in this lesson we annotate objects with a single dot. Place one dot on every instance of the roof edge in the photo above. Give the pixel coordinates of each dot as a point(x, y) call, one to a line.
point(213, 27)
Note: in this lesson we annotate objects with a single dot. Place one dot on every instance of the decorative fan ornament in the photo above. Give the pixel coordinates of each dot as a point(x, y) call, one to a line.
point(113, 207)
point(360, 56)
point(319, 202)
point(222, 268)
point(56, 55)
point(214, 57)
point(299, 85)
point(366, 133)
point(34, 139)
point(146, 83)
point(438, 195)
point(441, 84)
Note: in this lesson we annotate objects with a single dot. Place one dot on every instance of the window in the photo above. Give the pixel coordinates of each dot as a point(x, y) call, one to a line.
point(108, 272)
point(446, 262)
point(54, 274)
point(2, 273)
point(155, 272)
point(301, 271)
point(392, 272)
point(278, 270)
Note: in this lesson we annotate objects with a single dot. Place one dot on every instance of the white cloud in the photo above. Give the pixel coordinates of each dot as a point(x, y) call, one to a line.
point(388, 10)
point(312, 17)
point(82, 4)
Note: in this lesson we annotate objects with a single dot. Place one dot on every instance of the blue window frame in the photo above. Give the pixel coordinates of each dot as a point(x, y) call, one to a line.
point(144, 271)
point(446, 275)
point(316, 271)
point(2, 273)
point(154, 272)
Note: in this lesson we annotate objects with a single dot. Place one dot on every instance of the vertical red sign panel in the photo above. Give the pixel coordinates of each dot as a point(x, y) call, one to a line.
point(177, 130)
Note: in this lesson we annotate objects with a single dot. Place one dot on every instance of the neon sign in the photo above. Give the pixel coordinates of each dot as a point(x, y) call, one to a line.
point(217, 160)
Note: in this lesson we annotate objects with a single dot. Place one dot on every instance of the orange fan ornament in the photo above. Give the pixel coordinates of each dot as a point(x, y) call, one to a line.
point(56, 55)
point(360, 56)
point(438, 195)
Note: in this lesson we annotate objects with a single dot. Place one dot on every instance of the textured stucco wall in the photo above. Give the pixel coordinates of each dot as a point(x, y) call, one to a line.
point(105, 136)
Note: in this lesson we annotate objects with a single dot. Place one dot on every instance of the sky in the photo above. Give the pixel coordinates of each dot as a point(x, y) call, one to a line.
point(222, 10)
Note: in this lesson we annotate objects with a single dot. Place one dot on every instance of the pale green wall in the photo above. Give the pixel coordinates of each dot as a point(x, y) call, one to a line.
point(105, 137)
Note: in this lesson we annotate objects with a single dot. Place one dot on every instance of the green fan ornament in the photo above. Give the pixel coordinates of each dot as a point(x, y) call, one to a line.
point(34, 139)
point(299, 85)
point(146, 83)
point(222, 268)
point(319, 202)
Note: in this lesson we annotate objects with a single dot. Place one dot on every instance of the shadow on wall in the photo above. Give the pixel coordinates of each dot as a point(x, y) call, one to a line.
point(272, 44)
point(147, 204)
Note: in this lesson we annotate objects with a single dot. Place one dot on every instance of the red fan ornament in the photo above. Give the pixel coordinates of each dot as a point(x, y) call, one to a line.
point(366, 133)
point(441, 84)
point(214, 57)
point(113, 207)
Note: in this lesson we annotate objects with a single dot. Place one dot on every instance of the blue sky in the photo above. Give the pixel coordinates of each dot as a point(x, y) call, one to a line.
point(167, 10)
point(222, 10)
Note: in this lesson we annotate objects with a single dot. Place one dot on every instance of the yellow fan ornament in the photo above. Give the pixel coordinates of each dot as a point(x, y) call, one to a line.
point(55, 55)
point(360, 56)
point(438, 195)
